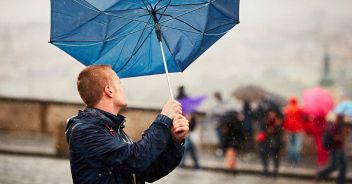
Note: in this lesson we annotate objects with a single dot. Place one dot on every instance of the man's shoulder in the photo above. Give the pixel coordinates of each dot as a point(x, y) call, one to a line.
point(80, 123)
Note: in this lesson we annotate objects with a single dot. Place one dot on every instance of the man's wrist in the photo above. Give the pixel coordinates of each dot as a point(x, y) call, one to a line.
point(178, 141)
point(164, 120)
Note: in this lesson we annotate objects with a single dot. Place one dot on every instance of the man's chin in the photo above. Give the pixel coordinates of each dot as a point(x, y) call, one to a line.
point(124, 104)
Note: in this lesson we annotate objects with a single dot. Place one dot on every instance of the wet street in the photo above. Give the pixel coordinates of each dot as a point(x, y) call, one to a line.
point(36, 170)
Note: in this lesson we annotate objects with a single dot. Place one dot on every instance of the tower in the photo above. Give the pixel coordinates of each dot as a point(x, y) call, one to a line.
point(326, 80)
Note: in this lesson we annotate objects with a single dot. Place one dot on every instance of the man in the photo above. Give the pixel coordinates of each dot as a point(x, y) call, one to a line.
point(100, 151)
point(334, 140)
point(293, 125)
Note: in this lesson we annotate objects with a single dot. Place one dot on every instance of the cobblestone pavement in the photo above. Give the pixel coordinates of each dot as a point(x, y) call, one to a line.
point(37, 170)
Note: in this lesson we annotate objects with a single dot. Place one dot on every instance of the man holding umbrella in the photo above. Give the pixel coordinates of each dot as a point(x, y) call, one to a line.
point(100, 151)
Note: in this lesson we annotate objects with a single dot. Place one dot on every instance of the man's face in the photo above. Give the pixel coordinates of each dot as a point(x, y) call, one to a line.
point(119, 94)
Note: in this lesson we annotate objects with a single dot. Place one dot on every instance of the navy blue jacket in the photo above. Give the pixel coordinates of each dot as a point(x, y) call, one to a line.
point(100, 151)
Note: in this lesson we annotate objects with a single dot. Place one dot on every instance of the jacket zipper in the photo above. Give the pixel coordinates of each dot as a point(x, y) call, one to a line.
point(126, 139)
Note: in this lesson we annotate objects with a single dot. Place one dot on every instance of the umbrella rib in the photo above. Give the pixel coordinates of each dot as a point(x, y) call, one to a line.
point(84, 23)
point(218, 27)
point(92, 19)
point(113, 15)
point(123, 26)
point(183, 22)
point(151, 7)
point(145, 28)
point(190, 4)
point(114, 38)
point(172, 54)
point(136, 51)
point(186, 36)
point(103, 11)
point(111, 39)
point(157, 4)
point(118, 58)
point(195, 9)
point(71, 16)
point(96, 9)
point(72, 45)
point(113, 47)
point(182, 30)
point(166, 6)
point(163, 6)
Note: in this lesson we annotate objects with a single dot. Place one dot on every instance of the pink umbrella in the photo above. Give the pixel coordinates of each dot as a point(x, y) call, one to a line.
point(317, 102)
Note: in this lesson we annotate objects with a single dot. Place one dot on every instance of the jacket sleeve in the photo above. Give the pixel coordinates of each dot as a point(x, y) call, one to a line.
point(102, 150)
point(165, 163)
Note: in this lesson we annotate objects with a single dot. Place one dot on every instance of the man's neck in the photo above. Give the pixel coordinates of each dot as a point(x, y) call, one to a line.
point(108, 108)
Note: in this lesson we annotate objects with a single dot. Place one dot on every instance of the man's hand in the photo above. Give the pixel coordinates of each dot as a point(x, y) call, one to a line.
point(171, 109)
point(179, 129)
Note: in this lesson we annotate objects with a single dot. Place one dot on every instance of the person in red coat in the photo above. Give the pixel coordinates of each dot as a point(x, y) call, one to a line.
point(293, 125)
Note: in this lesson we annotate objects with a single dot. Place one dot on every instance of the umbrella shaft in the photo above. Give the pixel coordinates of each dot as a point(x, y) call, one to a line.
point(156, 26)
point(166, 70)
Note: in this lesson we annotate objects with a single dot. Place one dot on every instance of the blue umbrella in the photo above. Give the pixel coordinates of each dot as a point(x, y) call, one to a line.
point(344, 108)
point(128, 35)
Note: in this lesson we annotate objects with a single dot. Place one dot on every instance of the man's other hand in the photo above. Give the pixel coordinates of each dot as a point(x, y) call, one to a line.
point(171, 109)
point(180, 128)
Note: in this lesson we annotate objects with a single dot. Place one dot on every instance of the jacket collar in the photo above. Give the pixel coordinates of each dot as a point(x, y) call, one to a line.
point(111, 120)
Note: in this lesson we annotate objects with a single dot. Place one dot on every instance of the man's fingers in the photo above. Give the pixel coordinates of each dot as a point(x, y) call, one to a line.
point(176, 102)
point(178, 116)
point(178, 122)
point(180, 126)
point(181, 129)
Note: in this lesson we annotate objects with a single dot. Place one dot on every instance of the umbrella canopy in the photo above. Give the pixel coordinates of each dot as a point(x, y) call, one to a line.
point(276, 98)
point(250, 93)
point(344, 108)
point(317, 102)
point(126, 34)
point(191, 104)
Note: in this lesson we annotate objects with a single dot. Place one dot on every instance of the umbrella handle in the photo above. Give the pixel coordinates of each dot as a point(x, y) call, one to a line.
point(166, 70)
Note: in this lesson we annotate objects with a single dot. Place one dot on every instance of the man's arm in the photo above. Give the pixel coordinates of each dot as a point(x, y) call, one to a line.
point(165, 163)
point(172, 156)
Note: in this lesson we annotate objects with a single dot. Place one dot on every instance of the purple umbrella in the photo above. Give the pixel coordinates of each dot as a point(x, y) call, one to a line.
point(190, 104)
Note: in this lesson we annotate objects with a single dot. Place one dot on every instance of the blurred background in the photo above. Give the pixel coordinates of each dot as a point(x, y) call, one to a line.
point(280, 49)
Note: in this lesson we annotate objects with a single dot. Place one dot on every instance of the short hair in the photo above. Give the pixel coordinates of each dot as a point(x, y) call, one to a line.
point(91, 82)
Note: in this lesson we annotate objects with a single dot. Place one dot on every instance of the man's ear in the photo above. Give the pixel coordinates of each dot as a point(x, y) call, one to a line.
point(108, 91)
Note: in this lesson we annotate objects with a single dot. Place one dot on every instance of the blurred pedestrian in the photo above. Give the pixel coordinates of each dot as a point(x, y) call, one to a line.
point(315, 127)
point(189, 146)
point(232, 129)
point(334, 140)
point(248, 125)
point(216, 113)
point(293, 125)
point(101, 152)
point(270, 140)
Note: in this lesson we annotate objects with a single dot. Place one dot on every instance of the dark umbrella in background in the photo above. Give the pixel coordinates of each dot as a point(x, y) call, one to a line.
point(250, 93)
point(140, 37)
point(276, 99)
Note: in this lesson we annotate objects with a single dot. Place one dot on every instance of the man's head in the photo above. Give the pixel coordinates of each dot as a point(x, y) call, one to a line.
point(218, 96)
point(99, 84)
